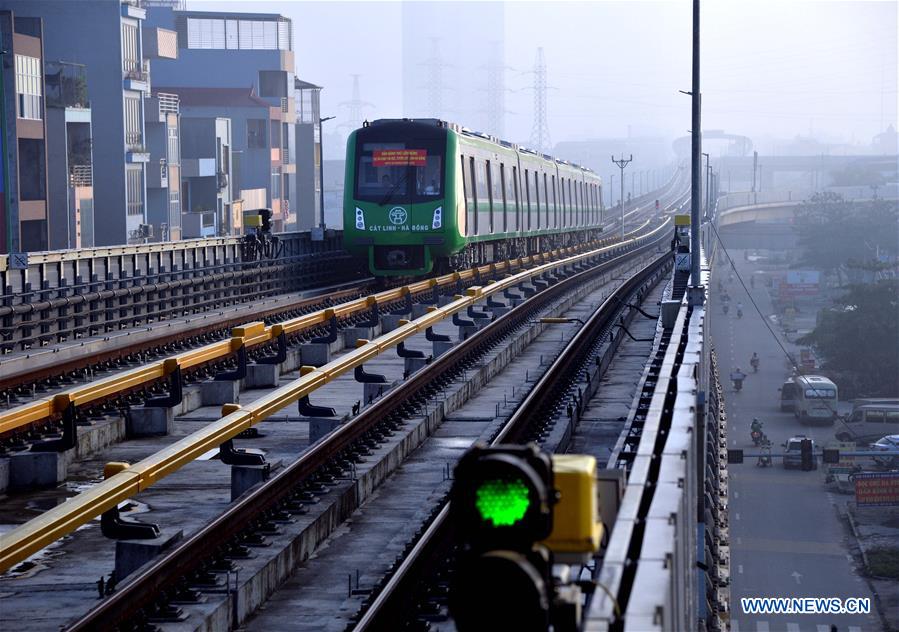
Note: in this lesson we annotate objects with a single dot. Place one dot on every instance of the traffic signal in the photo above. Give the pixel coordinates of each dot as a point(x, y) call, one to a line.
point(501, 508)
point(805, 451)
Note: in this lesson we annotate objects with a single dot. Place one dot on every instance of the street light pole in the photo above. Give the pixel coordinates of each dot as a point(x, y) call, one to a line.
point(622, 163)
point(696, 165)
point(321, 171)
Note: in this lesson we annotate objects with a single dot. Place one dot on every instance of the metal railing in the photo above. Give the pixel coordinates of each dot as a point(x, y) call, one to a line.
point(168, 102)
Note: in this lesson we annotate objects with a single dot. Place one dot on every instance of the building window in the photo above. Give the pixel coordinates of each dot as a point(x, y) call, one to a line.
point(276, 185)
point(205, 33)
point(32, 169)
point(133, 135)
point(272, 83)
point(174, 150)
point(257, 130)
point(29, 92)
point(218, 33)
point(134, 190)
point(174, 208)
point(130, 56)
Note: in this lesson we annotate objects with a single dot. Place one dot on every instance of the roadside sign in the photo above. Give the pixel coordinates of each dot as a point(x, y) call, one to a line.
point(876, 489)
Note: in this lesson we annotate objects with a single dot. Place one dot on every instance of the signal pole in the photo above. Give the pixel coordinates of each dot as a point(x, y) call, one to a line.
point(622, 163)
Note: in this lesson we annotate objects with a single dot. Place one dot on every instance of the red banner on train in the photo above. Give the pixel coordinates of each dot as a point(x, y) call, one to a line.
point(399, 157)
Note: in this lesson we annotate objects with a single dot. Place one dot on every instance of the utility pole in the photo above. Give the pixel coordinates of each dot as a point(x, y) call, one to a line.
point(755, 166)
point(696, 166)
point(12, 229)
point(708, 167)
point(540, 131)
point(622, 163)
point(496, 92)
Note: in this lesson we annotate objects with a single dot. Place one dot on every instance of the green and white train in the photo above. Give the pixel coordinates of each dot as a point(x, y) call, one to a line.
point(424, 194)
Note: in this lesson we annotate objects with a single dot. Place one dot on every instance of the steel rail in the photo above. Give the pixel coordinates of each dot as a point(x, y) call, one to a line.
point(48, 407)
point(390, 602)
point(29, 538)
point(185, 557)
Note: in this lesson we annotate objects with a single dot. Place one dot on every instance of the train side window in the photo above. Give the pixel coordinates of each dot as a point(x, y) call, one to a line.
point(535, 194)
point(466, 196)
point(516, 197)
point(503, 189)
point(546, 199)
point(562, 198)
point(555, 204)
point(526, 225)
point(491, 194)
point(583, 203)
point(570, 205)
point(473, 207)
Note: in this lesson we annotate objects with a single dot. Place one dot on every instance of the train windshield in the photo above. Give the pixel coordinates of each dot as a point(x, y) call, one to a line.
point(389, 172)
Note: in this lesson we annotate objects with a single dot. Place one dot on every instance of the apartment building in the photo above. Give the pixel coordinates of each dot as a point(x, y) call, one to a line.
point(110, 38)
point(242, 64)
point(23, 203)
point(69, 156)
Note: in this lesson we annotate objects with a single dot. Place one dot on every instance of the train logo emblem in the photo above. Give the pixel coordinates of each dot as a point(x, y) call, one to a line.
point(398, 215)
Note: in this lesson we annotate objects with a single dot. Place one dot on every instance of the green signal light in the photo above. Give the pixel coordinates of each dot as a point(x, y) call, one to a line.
point(502, 502)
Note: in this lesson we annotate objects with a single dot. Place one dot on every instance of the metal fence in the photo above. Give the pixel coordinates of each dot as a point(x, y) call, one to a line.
point(70, 294)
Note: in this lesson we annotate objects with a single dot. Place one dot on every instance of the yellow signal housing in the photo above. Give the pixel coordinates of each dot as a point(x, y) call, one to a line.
point(252, 221)
point(577, 530)
point(681, 220)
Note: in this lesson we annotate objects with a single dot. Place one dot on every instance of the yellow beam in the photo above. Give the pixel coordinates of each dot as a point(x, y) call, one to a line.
point(55, 523)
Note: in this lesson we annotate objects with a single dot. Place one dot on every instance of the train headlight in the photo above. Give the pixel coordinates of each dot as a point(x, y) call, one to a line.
point(360, 219)
point(437, 220)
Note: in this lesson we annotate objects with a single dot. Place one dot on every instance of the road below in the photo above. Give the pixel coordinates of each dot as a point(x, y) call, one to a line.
point(787, 537)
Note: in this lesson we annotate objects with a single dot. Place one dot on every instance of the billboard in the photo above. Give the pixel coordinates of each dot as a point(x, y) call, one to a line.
point(876, 489)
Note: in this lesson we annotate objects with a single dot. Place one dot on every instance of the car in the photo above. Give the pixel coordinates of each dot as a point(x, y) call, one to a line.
point(889, 445)
point(793, 453)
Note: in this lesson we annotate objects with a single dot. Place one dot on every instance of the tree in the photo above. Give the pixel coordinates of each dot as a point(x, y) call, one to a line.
point(834, 232)
point(859, 340)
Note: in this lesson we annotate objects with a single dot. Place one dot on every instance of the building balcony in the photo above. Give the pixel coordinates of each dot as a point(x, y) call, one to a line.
point(136, 75)
point(66, 85)
point(134, 9)
point(136, 152)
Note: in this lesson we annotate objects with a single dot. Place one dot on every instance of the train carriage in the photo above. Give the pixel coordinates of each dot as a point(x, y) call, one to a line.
point(425, 195)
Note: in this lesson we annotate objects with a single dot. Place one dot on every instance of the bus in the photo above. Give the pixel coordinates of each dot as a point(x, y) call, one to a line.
point(812, 398)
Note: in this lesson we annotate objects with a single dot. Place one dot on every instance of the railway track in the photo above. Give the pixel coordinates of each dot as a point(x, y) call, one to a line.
point(148, 596)
point(560, 397)
point(368, 430)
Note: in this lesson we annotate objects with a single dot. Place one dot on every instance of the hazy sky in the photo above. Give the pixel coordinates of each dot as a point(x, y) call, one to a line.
point(770, 69)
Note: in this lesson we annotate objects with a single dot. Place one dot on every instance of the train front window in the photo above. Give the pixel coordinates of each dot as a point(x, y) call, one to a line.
point(399, 171)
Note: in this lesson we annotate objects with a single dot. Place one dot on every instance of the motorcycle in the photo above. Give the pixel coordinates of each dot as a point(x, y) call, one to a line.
point(738, 384)
point(757, 437)
point(755, 365)
point(764, 454)
point(726, 308)
point(739, 313)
